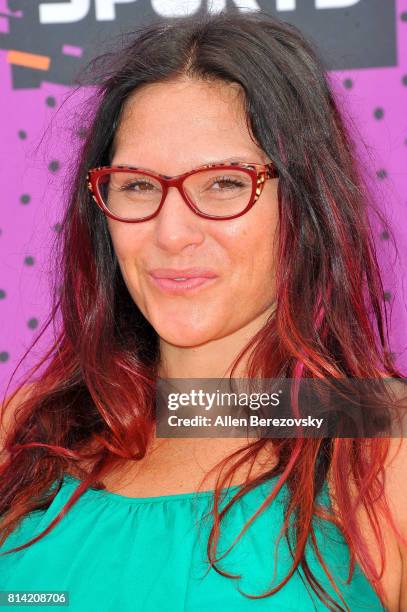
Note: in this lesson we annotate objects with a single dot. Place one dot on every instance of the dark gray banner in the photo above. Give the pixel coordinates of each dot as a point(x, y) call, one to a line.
point(281, 408)
point(60, 37)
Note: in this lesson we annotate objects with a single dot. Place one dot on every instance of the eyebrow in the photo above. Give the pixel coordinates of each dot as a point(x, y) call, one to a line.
point(237, 158)
point(240, 158)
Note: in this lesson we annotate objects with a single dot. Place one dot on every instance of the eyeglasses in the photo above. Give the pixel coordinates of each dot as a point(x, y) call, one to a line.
point(213, 191)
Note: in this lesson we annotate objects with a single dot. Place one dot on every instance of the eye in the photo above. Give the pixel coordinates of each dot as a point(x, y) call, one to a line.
point(226, 182)
point(140, 185)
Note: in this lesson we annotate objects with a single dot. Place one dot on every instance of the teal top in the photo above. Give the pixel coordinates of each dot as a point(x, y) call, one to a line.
point(113, 553)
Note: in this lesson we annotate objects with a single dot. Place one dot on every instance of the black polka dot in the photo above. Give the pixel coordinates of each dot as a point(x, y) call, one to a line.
point(53, 166)
point(25, 198)
point(384, 235)
point(404, 80)
point(57, 227)
point(50, 101)
point(22, 134)
point(4, 356)
point(2, 294)
point(29, 261)
point(32, 323)
point(387, 296)
point(348, 83)
point(403, 16)
point(82, 132)
point(378, 113)
point(381, 174)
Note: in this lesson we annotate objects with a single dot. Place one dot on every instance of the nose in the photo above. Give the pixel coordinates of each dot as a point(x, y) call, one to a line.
point(176, 225)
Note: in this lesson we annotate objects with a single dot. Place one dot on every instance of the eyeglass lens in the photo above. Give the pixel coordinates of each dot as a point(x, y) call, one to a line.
point(219, 192)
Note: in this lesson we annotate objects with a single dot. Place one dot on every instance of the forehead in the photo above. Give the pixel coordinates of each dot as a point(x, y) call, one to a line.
point(183, 122)
point(200, 100)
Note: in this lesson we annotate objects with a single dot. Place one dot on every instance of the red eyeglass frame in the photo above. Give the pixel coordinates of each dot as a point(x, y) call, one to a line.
point(259, 173)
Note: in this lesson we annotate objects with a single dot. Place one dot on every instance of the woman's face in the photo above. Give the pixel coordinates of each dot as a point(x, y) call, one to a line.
point(172, 128)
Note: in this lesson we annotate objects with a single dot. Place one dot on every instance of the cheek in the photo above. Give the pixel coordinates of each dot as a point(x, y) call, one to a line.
point(252, 250)
point(129, 245)
point(125, 240)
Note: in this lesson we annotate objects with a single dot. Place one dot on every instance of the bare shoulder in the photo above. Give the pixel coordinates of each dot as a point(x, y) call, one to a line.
point(394, 577)
point(396, 494)
point(395, 467)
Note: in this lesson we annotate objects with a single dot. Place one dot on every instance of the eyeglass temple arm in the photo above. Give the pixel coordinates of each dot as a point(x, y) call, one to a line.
point(271, 170)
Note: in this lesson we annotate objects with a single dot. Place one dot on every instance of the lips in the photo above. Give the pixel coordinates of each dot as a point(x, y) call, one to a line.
point(185, 273)
point(177, 281)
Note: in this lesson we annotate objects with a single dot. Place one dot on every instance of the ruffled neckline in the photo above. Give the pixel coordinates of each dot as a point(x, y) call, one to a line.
point(118, 497)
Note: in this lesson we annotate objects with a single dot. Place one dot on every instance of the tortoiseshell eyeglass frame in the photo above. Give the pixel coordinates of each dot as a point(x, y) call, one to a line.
point(259, 174)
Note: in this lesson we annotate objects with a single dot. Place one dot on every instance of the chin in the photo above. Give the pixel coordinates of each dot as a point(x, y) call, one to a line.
point(186, 340)
point(185, 334)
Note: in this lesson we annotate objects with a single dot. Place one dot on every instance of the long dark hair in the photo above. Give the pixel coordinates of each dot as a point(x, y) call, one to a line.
point(94, 398)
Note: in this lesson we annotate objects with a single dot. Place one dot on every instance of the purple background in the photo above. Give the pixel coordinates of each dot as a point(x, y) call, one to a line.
point(36, 146)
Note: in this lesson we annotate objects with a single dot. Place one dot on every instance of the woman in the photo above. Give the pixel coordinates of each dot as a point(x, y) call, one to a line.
point(285, 285)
